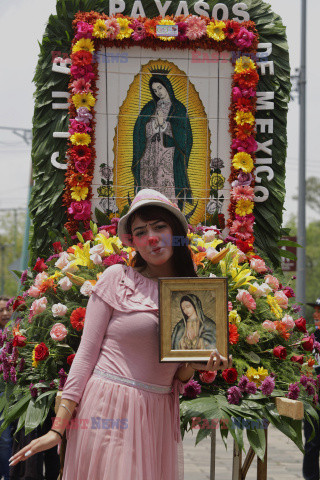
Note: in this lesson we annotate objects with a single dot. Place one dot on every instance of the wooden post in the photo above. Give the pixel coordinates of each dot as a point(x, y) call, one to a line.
point(262, 465)
point(213, 454)
point(237, 461)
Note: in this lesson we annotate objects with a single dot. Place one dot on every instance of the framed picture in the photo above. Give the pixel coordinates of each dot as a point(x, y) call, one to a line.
point(193, 318)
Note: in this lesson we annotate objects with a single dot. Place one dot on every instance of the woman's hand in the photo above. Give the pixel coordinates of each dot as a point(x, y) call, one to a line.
point(215, 362)
point(160, 119)
point(45, 442)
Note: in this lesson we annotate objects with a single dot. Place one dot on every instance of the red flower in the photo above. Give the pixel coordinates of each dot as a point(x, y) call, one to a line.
point(77, 318)
point(233, 334)
point(40, 266)
point(41, 352)
point(19, 341)
point(243, 246)
point(288, 292)
point(230, 375)
point(221, 220)
point(88, 235)
point(301, 324)
point(280, 352)
point(282, 329)
point(206, 376)
point(70, 358)
point(232, 29)
point(81, 58)
point(112, 229)
point(307, 344)
point(247, 79)
point(18, 301)
point(80, 152)
point(297, 359)
point(57, 247)
point(244, 104)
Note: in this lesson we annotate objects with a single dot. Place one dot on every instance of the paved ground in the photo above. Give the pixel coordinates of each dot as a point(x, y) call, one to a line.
point(284, 458)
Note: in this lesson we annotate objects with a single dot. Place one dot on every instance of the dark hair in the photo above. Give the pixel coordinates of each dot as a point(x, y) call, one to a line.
point(182, 259)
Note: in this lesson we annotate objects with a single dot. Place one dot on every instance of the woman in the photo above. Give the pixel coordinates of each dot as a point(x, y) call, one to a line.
point(195, 330)
point(127, 415)
point(162, 143)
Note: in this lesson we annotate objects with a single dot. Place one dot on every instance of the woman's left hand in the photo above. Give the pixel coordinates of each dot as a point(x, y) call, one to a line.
point(215, 362)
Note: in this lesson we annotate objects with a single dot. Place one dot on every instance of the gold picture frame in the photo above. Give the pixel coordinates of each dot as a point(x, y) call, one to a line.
point(193, 318)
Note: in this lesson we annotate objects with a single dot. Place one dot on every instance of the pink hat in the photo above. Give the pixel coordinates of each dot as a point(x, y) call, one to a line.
point(144, 197)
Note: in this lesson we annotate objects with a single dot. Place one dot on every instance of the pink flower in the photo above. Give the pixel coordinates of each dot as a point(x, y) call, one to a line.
point(209, 236)
point(139, 31)
point(105, 233)
point(182, 31)
point(80, 210)
point(207, 377)
point(113, 259)
point(230, 307)
point(288, 322)
point(244, 39)
point(38, 306)
point(59, 310)
point(113, 28)
point(282, 299)
point(65, 284)
point(247, 300)
point(211, 253)
point(58, 332)
point(82, 165)
point(258, 265)
point(84, 30)
point(272, 281)
point(34, 291)
point(243, 229)
point(268, 325)
point(78, 127)
point(83, 115)
point(86, 288)
point(253, 339)
point(86, 72)
point(196, 27)
point(80, 86)
point(62, 261)
point(242, 192)
point(248, 145)
point(40, 278)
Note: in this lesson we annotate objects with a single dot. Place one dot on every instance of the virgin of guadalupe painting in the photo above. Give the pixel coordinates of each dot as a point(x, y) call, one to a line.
point(162, 142)
point(195, 331)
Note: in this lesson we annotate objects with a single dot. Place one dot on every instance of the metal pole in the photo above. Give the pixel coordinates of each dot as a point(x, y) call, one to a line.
point(2, 247)
point(213, 455)
point(25, 253)
point(301, 265)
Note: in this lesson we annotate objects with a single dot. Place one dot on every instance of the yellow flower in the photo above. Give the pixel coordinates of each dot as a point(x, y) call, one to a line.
point(80, 139)
point(166, 22)
point(100, 29)
point(34, 362)
point(83, 100)
point(215, 31)
point(257, 376)
point(125, 31)
point(217, 181)
point(274, 307)
point(79, 193)
point(234, 317)
point(244, 161)
point(244, 207)
point(252, 289)
point(244, 117)
point(83, 44)
point(57, 274)
point(107, 243)
point(82, 255)
point(244, 63)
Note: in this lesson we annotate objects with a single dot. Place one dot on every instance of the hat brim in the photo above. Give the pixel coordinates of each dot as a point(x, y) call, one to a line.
point(123, 233)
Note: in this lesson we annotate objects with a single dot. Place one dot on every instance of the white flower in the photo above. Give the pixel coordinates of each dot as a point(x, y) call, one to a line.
point(65, 284)
point(209, 236)
point(71, 267)
point(260, 290)
point(211, 252)
point(97, 249)
point(212, 275)
point(86, 288)
point(62, 261)
point(58, 310)
point(97, 260)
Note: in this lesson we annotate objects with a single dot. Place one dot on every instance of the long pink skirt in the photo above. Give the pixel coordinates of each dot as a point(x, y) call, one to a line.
point(122, 432)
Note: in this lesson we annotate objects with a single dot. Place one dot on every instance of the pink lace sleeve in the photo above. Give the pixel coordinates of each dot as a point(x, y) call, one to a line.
point(98, 315)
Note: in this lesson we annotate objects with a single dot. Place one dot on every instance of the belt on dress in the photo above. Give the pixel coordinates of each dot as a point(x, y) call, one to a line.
point(174, 389)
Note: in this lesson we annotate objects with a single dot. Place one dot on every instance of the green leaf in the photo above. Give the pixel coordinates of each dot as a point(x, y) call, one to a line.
point(257, 440)
point(288, 243)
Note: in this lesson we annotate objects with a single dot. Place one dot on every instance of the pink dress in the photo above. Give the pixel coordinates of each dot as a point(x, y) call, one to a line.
point(127, 424)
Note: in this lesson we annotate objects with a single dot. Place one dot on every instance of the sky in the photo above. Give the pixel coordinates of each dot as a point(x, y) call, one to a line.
point(22, 24)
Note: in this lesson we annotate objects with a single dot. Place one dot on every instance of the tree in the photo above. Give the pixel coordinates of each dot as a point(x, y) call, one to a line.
point(11, 241)
point(312, 193)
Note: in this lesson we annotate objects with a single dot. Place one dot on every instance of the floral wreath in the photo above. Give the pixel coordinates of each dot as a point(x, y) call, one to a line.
point(93, 30)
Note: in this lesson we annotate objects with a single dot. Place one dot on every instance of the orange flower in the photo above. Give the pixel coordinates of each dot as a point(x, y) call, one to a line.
point(311, 362)
point(233, 334)
point(244, 131)
point(49, 283)
point(197, 257)
point(70, 250)
point(281, 328)
point(79, 179)
point(150, 26)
